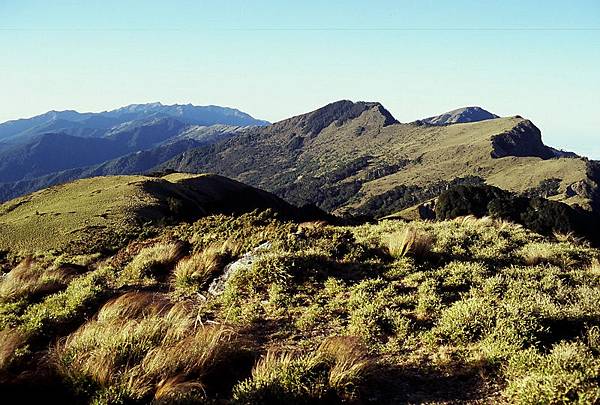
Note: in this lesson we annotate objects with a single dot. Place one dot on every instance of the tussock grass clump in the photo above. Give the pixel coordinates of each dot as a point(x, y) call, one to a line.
point(595, 266)
point(193, 272)
point(12, 346)
point(561, 254)
point(133, 305)
point(350, 361)
point(142, 347)
point(152, 261)
point(333, 372)
point(56, 310)
point(410, 241)
point(29, 280)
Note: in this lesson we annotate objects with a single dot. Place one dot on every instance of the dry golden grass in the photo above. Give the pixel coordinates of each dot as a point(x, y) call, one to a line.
point(194, 271)
point(498, 223)
point(595, 266)
point(569, 237)
point(410, 241)
point(11, 340)
point(310, 226)
point(133, 305)
point(535, 254)
point(30, 279)
point(143, 346)
point(153, 261)
point(351, 362)
point(178, 390)
point(339, 365)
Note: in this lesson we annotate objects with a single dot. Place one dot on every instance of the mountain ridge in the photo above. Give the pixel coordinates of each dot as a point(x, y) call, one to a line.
point(187, 113)
point(358, 161)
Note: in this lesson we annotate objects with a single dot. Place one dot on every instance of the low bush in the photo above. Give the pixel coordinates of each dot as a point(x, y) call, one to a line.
point(568, 374)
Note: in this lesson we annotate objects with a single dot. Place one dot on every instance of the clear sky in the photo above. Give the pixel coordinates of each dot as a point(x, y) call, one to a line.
point(275, 59)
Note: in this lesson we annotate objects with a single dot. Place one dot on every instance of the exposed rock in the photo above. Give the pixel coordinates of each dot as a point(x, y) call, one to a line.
point(217, 286)
point(525, 139)
point(460, 115)
point(581, 188)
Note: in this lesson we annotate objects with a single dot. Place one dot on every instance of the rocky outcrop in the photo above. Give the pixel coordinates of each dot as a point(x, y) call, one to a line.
point(523, 140)
point(460, 115)
point(217, 286)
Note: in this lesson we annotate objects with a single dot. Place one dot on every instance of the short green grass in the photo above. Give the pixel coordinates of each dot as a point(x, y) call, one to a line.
point(99, 211)
point(102, 214)
point(469, 310)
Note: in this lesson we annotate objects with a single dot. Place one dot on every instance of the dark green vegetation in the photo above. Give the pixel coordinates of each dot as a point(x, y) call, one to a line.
point(356, 159)
point(538, 214)
point(472, 310)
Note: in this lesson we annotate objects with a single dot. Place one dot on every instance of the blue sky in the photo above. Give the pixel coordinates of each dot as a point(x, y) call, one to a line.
point(274, 59)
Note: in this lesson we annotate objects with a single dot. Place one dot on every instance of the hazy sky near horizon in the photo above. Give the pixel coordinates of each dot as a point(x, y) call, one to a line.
point(275, 59)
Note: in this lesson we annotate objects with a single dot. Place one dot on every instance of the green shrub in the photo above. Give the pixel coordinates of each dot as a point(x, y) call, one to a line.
point(466, 321)
point(568, 374)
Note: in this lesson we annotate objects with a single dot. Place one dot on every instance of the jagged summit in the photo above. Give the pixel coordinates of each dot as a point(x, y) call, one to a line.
point(460, 115)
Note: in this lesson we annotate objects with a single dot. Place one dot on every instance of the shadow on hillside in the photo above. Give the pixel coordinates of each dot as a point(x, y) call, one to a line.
point(398, 385)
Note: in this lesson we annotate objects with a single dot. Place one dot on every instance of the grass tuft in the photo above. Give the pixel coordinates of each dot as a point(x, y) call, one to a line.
point(410, 241)
point(152, 262)
point(193, 272)
point(31, 280)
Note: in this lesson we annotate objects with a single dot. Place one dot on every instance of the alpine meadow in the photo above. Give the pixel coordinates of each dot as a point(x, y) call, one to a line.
point(346, 242)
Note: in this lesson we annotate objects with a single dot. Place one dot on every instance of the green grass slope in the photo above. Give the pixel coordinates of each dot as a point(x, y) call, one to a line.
point(253, 309)
point(103, 212)
point(354, 158)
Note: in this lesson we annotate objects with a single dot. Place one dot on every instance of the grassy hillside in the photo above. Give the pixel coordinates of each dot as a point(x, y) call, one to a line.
point(350, 158)
point(253, 309)
point(102, 213)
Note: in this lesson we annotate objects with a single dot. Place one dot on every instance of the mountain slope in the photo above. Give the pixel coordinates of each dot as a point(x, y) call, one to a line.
point(131, 163)
point(461, 116)
point(355, 158)
point(49, 144)
point(54, 152)
point(100, 212)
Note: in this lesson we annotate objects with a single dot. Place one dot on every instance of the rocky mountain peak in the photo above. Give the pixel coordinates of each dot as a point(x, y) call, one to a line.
point(460, 115)
point(339, 112)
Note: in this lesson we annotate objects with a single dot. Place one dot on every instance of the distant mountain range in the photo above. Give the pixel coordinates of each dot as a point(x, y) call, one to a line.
point(64, 145)
point(348, 158)
point(97, 124)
